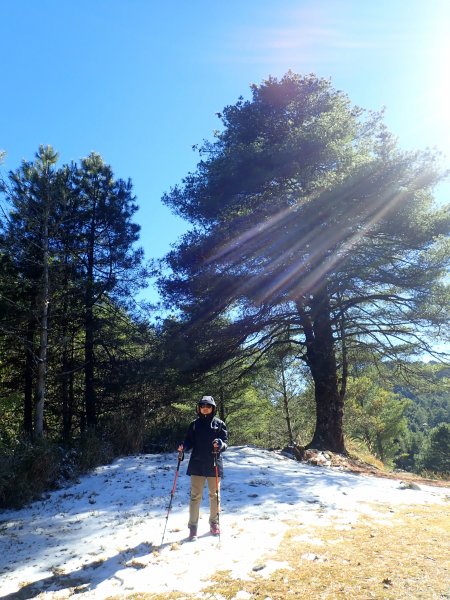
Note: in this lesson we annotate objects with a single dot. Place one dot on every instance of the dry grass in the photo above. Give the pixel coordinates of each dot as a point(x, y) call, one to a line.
point(401, 555)
point(405, 556)
point(358, 451)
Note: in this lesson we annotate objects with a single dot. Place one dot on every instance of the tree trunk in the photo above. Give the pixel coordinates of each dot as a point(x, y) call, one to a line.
point(89, 390)
point(221, 404)
point(65, 393)
point(66, 364)
point(43, 334)
point(380, 450)
point(320, 350)
point(286, 405)
point(28, 380)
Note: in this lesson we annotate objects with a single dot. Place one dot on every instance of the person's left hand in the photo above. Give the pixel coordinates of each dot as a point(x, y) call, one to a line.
point(218, 444)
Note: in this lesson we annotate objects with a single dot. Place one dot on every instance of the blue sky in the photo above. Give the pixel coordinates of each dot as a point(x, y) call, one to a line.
point(140, 81)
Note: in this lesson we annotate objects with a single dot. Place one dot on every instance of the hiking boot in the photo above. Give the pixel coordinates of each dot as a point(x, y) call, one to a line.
point(192, 533)
point(215, 529)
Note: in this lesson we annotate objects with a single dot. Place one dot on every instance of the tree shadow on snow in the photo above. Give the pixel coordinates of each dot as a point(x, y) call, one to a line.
point(84, 578)
point(248, 482)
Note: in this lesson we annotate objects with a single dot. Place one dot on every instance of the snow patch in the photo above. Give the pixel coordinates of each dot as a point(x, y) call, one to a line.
point(101, 537)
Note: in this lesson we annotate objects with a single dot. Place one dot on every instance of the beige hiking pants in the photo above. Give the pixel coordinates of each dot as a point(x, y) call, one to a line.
point(197, 485)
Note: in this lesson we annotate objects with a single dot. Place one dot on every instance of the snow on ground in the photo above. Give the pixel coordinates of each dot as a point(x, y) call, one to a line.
point(102, 536)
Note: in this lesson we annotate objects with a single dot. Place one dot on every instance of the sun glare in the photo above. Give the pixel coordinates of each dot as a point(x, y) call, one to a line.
point(434, 87)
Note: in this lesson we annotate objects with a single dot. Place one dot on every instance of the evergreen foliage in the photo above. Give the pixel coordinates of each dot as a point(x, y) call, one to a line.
point(435, 455)
point(68, 268)
point(375, 416)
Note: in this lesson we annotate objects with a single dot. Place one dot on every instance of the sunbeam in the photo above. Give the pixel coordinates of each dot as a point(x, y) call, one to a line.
point(293, 256)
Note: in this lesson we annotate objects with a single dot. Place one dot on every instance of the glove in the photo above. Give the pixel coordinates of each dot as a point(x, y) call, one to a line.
point(219, 443)
point(180, 452)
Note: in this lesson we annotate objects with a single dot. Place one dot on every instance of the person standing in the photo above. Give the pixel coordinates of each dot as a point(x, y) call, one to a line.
point(207, 437)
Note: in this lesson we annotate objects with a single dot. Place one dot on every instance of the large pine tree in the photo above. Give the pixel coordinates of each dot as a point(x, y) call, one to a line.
point(308, 218)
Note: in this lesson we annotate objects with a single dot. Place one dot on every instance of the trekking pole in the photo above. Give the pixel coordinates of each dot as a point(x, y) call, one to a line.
point(172, 493)
point(216, 468)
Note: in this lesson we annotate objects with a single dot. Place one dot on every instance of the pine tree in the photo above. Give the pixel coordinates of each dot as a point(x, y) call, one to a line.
point(33, 194)
point(436, 454)
point(307, 217)
point(109, 264)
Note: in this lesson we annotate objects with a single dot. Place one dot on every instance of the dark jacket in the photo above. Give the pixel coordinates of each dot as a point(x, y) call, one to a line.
point(199, 438)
